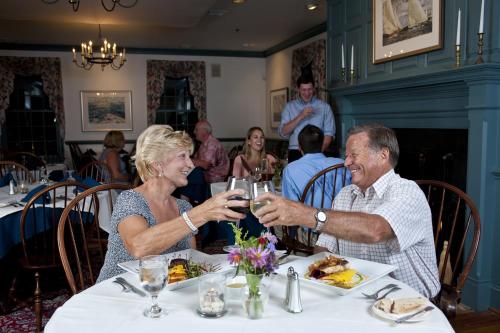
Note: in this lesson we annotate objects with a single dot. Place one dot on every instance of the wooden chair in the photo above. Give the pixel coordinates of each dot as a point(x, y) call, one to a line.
point(97, 171)
point(456, 221)
point(29, 160)
point(38, 228)
point(317, 193)
point(79, 237)
point(19, 171)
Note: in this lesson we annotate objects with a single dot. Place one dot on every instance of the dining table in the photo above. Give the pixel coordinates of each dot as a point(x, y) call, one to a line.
point(104, 307)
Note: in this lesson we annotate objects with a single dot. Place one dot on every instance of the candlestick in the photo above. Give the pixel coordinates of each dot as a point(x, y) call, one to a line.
point(481, 20)
point(457, 55)
point(353, 76)
point(343, 75)
point(352, 57)
point(479, 59)
point(458, 26)
point(343, 57)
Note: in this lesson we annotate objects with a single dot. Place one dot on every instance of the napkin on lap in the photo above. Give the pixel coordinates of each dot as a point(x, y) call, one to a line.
point(45, 198)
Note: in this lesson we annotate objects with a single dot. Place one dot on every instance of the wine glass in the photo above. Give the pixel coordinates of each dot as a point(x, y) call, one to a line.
point(257, 173)
point(153, 273)
point(256, 189)
point(232, 184)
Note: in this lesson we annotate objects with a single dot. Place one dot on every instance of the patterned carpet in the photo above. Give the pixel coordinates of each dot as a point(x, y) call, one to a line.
point(23, 319)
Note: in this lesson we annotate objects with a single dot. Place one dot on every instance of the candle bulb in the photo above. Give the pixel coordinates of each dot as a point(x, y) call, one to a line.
point(352, 57)
point(74, 54)
point(343, 57)
point(481, 21)
point(458, 26)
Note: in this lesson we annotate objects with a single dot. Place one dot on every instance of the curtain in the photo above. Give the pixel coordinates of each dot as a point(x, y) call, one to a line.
point(50, 71)
point(314, 54)
point(158, 70)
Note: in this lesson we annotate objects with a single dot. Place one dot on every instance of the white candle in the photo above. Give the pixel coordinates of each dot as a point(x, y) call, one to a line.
point(458, 26)
point(343, 58)
point(481, 21)
point(352, 57)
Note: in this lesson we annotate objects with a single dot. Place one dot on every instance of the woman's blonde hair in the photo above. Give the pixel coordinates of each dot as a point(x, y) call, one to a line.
point(246, 147)
point(114, 139)
point(155, 144)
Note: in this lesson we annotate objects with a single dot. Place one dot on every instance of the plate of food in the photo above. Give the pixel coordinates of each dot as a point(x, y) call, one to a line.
point(339, 274)
point(394, 309)
point(185, 267)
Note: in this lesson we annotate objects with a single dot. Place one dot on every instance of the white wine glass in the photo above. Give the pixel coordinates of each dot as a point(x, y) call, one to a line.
point(256, 189)
point(234, 183)
point(153, 273)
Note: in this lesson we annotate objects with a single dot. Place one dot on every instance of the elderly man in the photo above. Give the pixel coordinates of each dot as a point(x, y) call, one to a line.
point(307, 109)
point(211, 155)
point(381, 217)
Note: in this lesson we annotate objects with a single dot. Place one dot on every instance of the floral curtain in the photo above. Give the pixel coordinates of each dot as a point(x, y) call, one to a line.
point(50, 71)
point(314, 54)
point(158, 70)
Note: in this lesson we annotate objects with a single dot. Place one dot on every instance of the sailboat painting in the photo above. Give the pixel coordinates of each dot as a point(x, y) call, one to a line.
point(405, 27)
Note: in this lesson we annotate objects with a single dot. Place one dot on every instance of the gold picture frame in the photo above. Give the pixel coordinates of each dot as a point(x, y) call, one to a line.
point(405, 28)
point(106, 110)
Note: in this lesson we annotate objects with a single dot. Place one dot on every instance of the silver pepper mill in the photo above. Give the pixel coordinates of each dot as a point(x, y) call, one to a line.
point(292, 299)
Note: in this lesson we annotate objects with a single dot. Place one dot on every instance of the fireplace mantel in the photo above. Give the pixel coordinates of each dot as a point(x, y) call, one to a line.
point(467, 97)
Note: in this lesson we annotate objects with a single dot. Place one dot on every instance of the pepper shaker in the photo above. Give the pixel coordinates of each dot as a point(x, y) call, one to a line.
point(293, 302)
point(11, 187)
point(289, 276)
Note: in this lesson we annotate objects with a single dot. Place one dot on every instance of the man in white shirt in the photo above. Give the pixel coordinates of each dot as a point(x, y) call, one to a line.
point(380, 217)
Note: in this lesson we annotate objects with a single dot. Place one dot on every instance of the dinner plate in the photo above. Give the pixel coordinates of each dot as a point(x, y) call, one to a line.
point(395, 316)
point(190, 254)
point(368, 271)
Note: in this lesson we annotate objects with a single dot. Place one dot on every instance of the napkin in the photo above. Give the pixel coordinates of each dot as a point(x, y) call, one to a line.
point(56, 175)
point(90, 182)
point(6, 179)
point(43, 199)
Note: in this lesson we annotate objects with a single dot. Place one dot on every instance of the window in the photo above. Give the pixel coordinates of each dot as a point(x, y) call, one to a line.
point(30, 124)
point(176, 106)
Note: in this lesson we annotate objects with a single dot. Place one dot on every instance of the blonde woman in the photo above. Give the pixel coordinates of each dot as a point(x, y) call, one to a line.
point(114, 141)
point(148, 219)
point(252, 155)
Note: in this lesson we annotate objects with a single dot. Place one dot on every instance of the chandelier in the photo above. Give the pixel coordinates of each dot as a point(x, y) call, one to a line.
point(106, 56)
point(108, 7)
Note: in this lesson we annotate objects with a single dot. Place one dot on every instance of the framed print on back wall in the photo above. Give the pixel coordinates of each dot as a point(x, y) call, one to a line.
point(403, 28)
point(106, 110)
point(278, 99)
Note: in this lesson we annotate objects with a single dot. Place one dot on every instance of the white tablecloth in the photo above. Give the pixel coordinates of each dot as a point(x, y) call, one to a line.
point(104, 308)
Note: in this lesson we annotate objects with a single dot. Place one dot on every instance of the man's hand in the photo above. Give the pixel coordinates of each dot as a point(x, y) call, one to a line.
point(202, 163)
point(281, 211)
point(307, 111)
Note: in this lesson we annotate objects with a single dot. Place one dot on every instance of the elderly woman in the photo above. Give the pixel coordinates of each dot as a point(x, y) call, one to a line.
point(114, 141)
point(148, 219)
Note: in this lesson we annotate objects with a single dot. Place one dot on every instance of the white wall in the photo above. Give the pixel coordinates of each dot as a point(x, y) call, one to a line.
point(279, 74)
point(235, 101)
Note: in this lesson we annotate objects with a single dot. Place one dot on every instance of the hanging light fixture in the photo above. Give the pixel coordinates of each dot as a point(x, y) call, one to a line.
point(106, 56)
point(109, 7)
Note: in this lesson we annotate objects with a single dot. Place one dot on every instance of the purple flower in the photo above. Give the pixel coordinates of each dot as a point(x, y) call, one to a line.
point(234, 256)
point(258, 257)
point(270, 237)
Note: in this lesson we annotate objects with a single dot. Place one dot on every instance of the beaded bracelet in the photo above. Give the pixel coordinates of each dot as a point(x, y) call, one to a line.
point(189, 223)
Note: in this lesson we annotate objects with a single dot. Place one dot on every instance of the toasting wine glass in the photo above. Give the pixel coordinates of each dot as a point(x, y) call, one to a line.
point(256, 189)
point(153, 272)
point(232, 184)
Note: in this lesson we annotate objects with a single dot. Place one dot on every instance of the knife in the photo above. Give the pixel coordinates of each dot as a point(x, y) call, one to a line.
point(128, 284)
point(405, 318)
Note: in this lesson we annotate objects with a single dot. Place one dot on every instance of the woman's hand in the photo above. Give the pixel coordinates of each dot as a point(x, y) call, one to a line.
point(217, 208)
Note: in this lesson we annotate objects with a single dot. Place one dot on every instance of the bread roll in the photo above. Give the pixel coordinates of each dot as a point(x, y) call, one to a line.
point(401, 305)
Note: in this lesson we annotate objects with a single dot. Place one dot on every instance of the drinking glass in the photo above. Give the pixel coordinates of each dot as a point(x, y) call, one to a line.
point(257, 173)
point(232, 184)
point(153, 272)
point(256, 189)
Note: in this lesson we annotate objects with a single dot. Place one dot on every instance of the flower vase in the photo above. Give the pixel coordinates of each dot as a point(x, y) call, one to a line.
point(256, 294)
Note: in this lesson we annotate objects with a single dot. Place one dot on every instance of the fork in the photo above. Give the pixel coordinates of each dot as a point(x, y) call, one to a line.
point(125, 289)
point(393, 289)
point(375, 294)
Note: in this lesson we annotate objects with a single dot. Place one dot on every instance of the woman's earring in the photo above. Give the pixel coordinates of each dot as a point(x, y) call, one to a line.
point(161, 174)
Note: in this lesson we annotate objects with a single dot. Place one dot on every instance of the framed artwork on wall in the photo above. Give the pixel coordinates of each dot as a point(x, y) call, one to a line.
point(278, 100)
point(106, 110)
point(403, 28)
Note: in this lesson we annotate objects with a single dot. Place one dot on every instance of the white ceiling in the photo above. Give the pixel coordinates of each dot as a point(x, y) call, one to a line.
point(255, 26)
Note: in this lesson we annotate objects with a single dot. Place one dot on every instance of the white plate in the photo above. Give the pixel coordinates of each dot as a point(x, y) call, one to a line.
point(394, 316)
point(370, 270)
point(190, 254)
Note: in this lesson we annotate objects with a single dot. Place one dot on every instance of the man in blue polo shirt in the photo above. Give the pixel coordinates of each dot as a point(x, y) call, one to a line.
point(307, 109)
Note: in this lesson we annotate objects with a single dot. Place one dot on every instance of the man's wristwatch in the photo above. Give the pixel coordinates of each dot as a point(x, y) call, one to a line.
point(321, 219)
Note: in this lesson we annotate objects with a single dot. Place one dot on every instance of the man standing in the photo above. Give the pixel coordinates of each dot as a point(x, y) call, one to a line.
point(307, 109)
point(380, 217)
point(211, 155)
point(297, 174)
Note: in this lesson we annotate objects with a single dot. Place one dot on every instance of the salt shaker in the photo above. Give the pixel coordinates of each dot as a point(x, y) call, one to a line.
point(11, 188)
point(293, 302)
point(289, 276)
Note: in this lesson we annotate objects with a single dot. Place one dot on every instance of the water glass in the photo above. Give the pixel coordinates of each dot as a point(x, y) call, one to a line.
point(23, 186)
point(153, 273)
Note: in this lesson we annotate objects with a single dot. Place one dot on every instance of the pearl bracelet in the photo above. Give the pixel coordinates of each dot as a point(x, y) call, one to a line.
point(189, 223)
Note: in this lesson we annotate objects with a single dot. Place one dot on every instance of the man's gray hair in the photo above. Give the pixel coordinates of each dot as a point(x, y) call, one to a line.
point(205, 125)
point(380, 137)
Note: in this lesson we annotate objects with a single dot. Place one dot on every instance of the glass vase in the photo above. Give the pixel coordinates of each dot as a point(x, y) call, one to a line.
point(256, 294)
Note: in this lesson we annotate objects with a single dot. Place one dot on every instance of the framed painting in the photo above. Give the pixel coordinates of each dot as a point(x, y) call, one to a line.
point(278, 100)
point(403, 28)
point(106, 110)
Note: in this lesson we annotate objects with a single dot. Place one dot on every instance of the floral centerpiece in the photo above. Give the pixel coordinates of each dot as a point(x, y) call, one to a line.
point(256, 256)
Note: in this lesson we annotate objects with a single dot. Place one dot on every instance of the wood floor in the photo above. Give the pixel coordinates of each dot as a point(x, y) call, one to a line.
point(477, 322)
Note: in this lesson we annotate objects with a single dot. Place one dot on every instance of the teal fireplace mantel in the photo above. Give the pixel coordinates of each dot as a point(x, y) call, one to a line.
point(468, 98)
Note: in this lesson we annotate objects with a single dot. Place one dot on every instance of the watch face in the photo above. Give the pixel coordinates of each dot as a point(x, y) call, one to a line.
point(321, 216)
